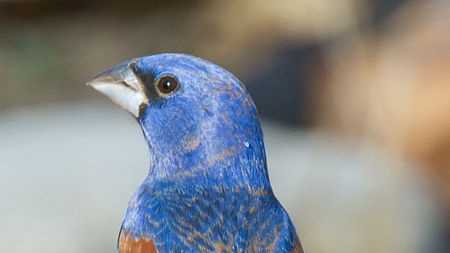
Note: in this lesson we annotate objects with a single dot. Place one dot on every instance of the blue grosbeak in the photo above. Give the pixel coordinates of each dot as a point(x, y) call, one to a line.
point(207, 189)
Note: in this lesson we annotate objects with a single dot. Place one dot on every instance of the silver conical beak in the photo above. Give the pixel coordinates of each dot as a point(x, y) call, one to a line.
point(122, 86)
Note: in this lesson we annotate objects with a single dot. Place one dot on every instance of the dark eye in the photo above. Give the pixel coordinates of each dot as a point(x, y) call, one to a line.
point(167, 85)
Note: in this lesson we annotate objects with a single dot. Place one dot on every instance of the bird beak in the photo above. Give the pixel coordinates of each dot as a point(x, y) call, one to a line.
point(122, 86)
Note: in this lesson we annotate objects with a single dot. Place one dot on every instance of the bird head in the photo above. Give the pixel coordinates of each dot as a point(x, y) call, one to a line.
point(195, 115)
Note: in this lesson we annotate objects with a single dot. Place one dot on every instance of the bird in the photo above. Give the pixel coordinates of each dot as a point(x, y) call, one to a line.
point(207, 187)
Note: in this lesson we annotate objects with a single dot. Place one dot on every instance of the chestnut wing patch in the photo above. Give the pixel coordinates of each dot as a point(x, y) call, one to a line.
point(298, 248)
point(130, 244)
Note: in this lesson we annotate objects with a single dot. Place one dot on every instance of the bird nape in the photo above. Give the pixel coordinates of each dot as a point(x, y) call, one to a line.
point(207, 189)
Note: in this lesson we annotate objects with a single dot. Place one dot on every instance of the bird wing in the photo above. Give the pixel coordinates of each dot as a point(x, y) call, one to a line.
point(131, 244)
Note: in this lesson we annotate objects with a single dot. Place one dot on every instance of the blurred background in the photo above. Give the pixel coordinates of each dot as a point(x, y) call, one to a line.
point(354, 97)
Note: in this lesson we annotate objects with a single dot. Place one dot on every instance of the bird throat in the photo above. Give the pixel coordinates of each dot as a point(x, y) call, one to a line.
point(233, 166)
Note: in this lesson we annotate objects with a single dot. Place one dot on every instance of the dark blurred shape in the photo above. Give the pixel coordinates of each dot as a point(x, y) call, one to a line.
point(33, 9)
point(29, 10)
point(381, 10)
point(283, 87)
point(441, 240)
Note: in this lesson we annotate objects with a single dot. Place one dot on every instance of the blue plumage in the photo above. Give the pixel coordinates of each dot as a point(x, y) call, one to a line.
point(207, 189)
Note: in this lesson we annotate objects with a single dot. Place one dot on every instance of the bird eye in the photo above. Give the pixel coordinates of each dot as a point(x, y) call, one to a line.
point(167, 85)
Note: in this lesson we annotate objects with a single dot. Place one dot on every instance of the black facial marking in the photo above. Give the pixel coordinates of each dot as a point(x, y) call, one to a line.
point(147, 78)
